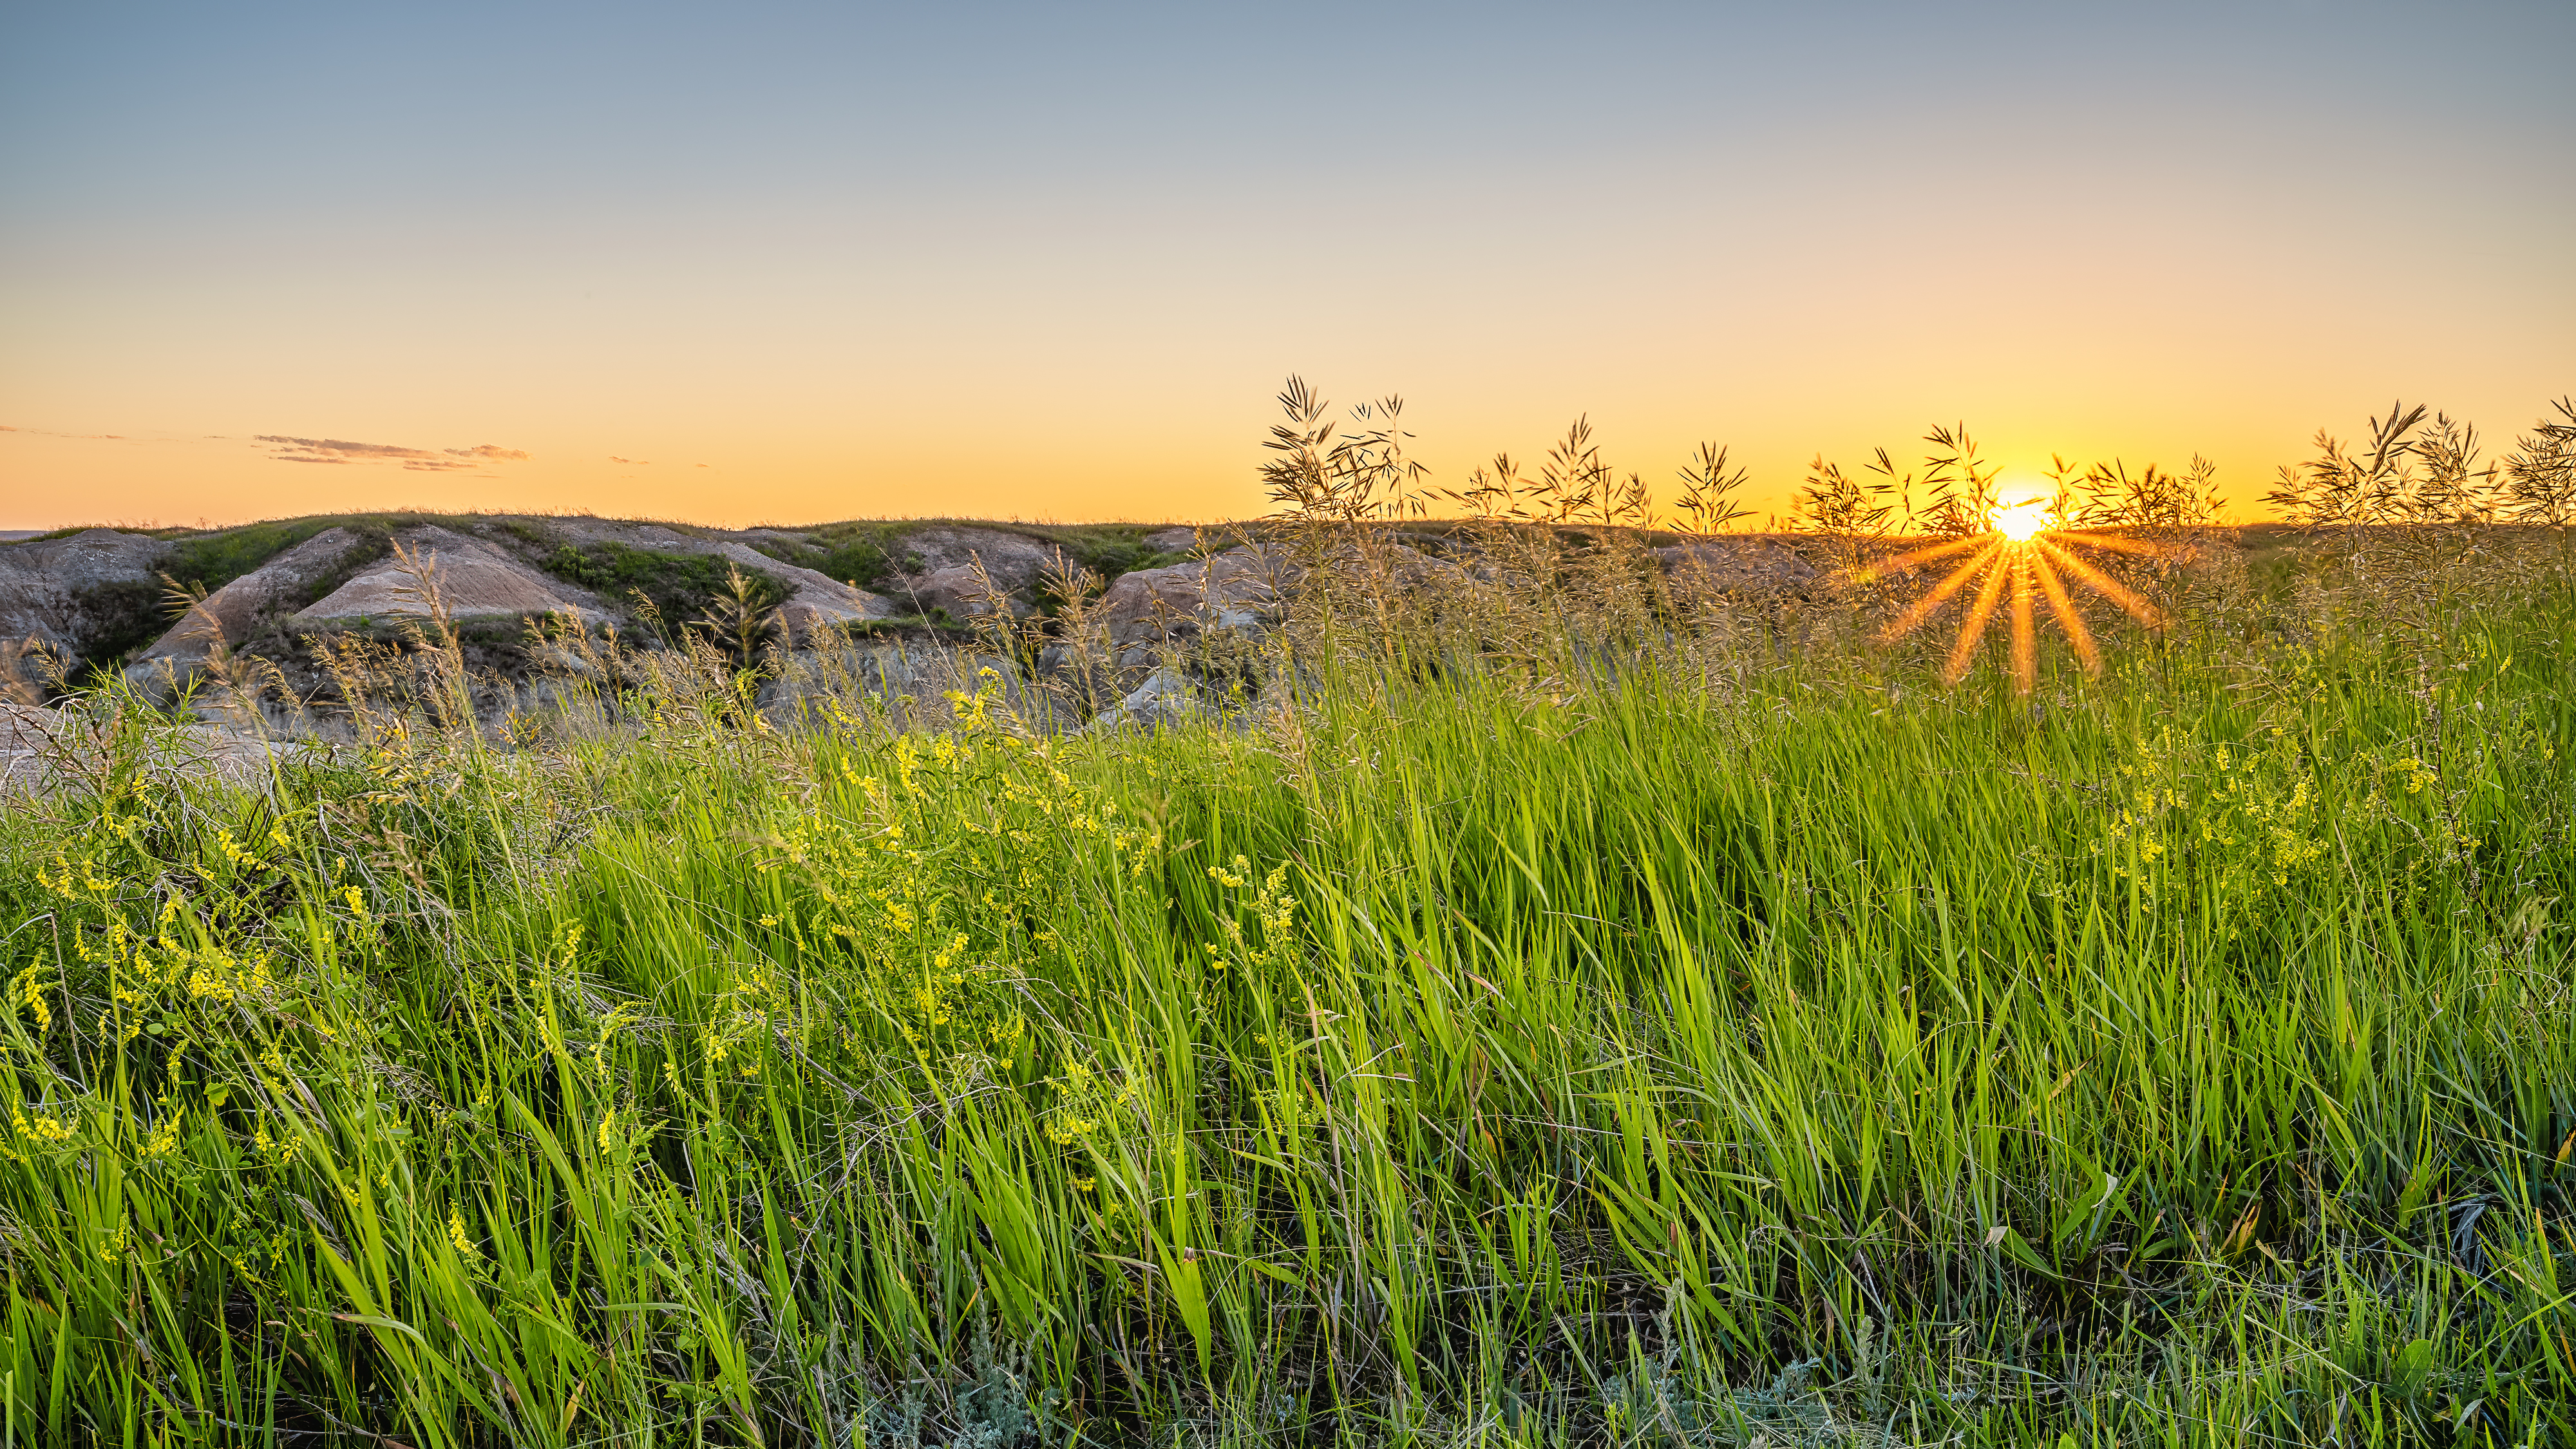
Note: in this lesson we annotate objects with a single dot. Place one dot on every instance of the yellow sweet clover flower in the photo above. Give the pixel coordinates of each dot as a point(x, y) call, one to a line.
point(465, 1246)
point(208, 982)
point(42, 1128)
point(1272, 906)
point(608, 1027)
point(30, 990)
point(2250, 832)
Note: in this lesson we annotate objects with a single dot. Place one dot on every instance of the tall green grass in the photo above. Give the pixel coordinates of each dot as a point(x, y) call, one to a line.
point(1656, 1055)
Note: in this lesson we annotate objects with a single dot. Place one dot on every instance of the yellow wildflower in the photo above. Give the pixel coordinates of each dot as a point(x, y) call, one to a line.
point(456, 1234)
point(31, 991)
point(43, 1129)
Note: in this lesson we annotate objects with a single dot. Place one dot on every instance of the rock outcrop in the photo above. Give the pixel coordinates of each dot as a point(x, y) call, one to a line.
point(1167, 697)
point(1240, 589)
point(66, 593)
point(232, 613)
point(813, 599)
point(948, 581)
point(475, 581)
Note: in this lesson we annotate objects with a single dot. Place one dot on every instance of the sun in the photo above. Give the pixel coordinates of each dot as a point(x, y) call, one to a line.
point(2019, 522)
point(2022, 560)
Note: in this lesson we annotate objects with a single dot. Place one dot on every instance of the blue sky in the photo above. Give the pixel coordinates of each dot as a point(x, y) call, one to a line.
point(1052, 260)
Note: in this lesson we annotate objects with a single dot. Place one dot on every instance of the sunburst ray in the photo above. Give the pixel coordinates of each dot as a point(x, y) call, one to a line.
point(1941, 592)
point(2109, 587)
point(2064, 609)
point(1930, 551)
point(2028, 568)
point(2112, 541)
point(2025, 658)
point(1973, 632)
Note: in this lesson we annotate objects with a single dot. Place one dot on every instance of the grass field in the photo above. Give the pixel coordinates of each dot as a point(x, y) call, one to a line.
point(1693, 1041)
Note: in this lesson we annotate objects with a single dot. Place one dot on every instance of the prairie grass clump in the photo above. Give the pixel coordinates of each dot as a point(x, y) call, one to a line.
point(1568, 993)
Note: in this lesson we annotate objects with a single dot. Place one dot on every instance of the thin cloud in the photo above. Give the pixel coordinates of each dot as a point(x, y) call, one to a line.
point(423, 460)
point(631, 462)
point(49, 433)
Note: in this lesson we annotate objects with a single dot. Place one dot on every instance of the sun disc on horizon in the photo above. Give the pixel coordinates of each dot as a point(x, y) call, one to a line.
point(2020, 522)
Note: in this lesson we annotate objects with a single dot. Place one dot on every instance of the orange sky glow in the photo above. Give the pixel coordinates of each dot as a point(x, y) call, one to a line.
point(747, 273)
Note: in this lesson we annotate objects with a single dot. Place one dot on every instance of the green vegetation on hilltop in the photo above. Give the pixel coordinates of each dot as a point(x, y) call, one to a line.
point(1111, 549)
point(870, 554)
point(210, 561)
point(681, 588)
point(862, 555)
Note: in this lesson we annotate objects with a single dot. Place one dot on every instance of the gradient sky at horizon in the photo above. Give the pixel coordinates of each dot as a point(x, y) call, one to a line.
point(778, 263)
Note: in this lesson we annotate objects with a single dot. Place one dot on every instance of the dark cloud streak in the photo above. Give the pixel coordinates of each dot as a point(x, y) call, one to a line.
point(341, 450)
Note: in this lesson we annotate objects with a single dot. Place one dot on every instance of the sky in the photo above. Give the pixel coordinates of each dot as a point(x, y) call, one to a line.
point(760, 263)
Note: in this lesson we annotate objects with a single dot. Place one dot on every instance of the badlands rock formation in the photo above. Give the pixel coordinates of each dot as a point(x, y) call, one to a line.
point(812, 598)
point(279, 594)
point(1179, 603)
point(60, 591)
point(948, 579)
point(471, 579)
point(234, 612)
